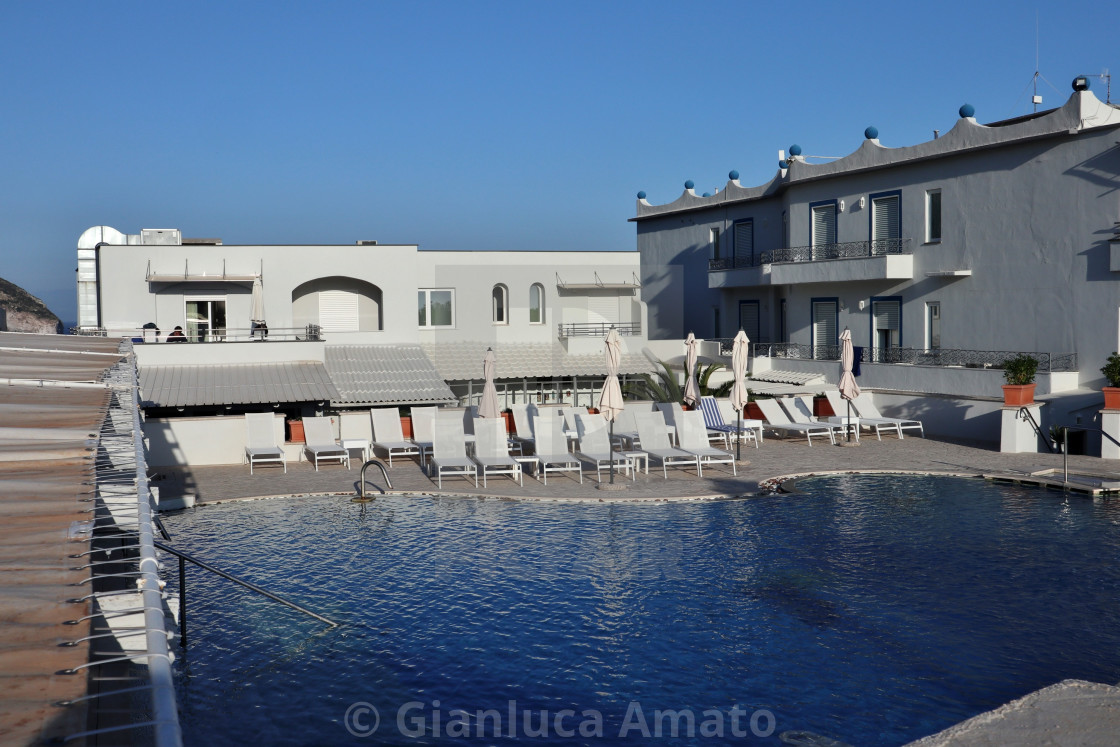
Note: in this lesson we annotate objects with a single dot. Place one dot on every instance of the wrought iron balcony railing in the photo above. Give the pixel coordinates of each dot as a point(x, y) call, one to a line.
point(598, 329)
point(817, 253)
point(308, 333)
point(1047, 362)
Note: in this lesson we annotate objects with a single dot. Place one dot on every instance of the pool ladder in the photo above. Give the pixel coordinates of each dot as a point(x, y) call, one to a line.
point(361, 497)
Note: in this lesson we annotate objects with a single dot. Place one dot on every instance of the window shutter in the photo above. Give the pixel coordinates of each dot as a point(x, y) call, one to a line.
point(744, 244)
point(824, 324)
point(885, 222)
point(824, 225)
point(887, 315)
point(602, 309)
point(748, 319)
point(338, 311)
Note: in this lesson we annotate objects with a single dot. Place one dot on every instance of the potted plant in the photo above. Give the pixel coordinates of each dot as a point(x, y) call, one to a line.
point(295, 429)
point(1019, 373)
point(1111, 371)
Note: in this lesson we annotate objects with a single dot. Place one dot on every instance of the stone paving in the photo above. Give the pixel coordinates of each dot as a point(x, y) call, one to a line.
point(775, 458)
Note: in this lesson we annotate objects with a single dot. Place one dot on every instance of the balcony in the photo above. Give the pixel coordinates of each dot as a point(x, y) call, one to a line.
point(1047, 362)
point(598, 329)
point(884, 259)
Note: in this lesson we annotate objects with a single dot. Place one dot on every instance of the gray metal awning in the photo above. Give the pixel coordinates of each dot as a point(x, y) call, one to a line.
point(235, 384)
point(385, 375)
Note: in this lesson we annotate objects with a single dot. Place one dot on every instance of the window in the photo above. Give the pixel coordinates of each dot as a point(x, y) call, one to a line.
point(886, 222)
point(338, 311)
point(933, 325)
point(436, 308)
point(499, 305)
point(744, 243)
point(823, 227)
point(886, 326)
point(783, 335)
point(206, 319)
point(748, 319)
point(536, 304)
point(826, 339)
point(713, 238)
point(933, 216)
point(715, 321)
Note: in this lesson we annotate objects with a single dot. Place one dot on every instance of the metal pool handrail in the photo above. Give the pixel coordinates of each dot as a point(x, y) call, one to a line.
point(361, 497)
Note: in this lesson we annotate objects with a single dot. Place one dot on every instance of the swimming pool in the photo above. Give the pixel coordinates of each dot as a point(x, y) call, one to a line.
point(870, 609)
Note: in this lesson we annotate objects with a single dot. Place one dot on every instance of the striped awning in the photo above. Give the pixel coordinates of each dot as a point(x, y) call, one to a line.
point(235, 384)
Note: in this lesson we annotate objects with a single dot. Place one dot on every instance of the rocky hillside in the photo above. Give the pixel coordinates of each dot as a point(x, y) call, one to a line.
point(22, 312)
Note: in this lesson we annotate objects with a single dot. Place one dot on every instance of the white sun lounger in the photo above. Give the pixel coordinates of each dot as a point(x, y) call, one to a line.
point(260, 440)
point(778, 420)
point(693, 437)
point(595, 446)
point(388, 434)
point(523, 415)
point(552, 448)
point(321, 444)
point(449, 449)
point(866, 408)
point(423, 431)
point(840, 407)
point(491, 450)
point(655, 442)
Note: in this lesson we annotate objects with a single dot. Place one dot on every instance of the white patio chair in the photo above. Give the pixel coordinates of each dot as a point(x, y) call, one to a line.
point(491, 450)
point(552, 448)
point(865, 406)
point(715, 422)
point(388, 434)
point(669, 412)
point(595, 446)
point(840, 408)
point(655, 443)
point(321, 444)
point(261, 446)
point(777, 420)
point(423, 431)
point(523, 415)
point(693, 437)
point(800, 410)
point(449, 449)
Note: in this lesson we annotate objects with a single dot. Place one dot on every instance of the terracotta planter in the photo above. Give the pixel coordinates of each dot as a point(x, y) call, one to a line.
point(1111, 397)
point(295, 431)
point(822, 408)
point(406, 426)
point(508, 417)
point(1017, 395)
point(754, 412)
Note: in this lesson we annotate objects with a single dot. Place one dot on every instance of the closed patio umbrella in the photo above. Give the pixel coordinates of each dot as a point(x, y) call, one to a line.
point(740, 350)
point(848, 387)
point(610, 401)
point(256, 307)
point(488, 405)
point(691, 387)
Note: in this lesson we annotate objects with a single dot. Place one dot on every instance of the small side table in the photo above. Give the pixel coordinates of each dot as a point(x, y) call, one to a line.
point(848, 422)
point(526, 461)
point(635, 457)
point(357, 443)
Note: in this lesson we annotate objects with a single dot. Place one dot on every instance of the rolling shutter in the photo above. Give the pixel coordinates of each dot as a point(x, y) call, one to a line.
point(887, 315)
point(338, 311)
point(748, 319)
point(886, 218)
point(744, 244)
point(824, 225)
point(602, 309)
point(824, 326)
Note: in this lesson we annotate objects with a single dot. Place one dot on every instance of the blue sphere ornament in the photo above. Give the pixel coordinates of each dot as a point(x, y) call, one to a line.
point(707, 194)
point(968, 110)
point(641, 195)
point(733, 174)
point(795, 150)
point(871, 133)
point(783, 164)
point(689, 184)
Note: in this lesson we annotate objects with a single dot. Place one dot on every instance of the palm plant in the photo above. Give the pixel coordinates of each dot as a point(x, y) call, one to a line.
point(665, 386)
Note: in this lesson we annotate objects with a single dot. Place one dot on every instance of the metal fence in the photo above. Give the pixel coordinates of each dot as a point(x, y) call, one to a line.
point(1047, 362)
point(310, 332)
point(598, 329)
point(817, 253)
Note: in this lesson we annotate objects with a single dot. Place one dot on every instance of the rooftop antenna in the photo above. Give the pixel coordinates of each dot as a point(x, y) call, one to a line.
point(1036, 99)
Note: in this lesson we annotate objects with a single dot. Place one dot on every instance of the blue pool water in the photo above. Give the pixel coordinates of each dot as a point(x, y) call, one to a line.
point(870, 609)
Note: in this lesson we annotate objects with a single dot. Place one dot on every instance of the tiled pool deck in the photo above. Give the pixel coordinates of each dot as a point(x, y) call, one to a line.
point(775, 458)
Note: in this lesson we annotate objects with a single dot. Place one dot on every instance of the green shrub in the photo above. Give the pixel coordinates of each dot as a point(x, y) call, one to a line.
point(1020, 369)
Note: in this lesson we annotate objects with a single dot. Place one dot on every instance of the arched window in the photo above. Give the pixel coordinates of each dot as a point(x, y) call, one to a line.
point(499, 305)
point(536, 304)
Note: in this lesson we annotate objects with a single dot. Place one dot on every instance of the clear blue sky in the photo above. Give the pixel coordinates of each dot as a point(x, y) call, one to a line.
point(471, 125)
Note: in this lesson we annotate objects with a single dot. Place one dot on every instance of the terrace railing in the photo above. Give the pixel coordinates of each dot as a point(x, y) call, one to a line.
point(1047, 362)
point(308, 333)
point(817, 253)
point(598, 329)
